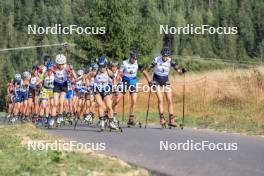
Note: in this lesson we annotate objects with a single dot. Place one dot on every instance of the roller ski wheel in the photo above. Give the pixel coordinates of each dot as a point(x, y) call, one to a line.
point(163, 122)
point(172, 123)
point(88, 119)
point(170, 126)
point(118, 129)
point(163, 126)
point(70, 122)
point(114, 125)
point(131, 122)
point(136, 125)
point(51, 123)
point(181, 126)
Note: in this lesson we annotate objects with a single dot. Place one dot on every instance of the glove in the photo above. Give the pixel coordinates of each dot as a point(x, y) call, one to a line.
point(141, 67)
point(184, 70)
point(151, 83)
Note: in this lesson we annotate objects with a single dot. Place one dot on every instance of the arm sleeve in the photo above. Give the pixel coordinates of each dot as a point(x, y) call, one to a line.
point(154, 63)
point(174, 64)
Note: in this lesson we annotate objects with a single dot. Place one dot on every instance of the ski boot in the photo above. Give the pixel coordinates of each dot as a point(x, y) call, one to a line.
point(34, 118)
point(172, 124)
point(59, 120)
point(88, 118)
point(68, 118)
point(113, 125)
point(7, 118)
point(115, 120)
point(131, 121)
point(50, 122)
point(13, 119)
point(162, 120)
point(102, 123)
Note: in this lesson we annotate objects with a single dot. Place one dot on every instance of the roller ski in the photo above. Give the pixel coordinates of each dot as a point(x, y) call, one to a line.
point(114, 126)
point(50, 123)
point(24, 119)
point(60, 121)
point(12, 119)
point(8, 117)
point(102, 124)
point(163, 121)
point(88, 119)
point(68, 119)
point(38, 121)
point(115, 120)
point(132, 122)
point(172, 123)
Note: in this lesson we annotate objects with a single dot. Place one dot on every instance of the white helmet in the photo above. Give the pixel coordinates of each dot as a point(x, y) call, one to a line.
point(60, 59)
point(80, 72)
point(26, 74)
point(17, 77)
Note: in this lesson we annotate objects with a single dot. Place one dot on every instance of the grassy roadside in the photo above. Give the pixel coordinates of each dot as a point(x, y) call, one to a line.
point(201, 122)
point(16, 159)
point(230, 100)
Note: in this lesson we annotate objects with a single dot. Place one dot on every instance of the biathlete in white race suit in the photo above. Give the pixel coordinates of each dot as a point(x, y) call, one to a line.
point(102, 91)
point(62, 72)
point(90, 97)
point(116, 83)
point(23, 95)
point(46, 93)
point(128, 73)
point(34, 92)
point(17, 85)
point(161, 68)
point(80, 91)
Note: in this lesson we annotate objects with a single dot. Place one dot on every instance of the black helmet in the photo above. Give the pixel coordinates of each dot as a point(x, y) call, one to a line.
point(166, 51)
point(47, 58)
point(134, 53)
point(34, 67)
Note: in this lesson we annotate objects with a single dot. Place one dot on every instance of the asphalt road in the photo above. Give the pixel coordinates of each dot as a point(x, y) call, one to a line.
point(141, 147)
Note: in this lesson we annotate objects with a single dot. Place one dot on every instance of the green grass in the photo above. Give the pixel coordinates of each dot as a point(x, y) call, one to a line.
point(16, 159)
point(229, 122)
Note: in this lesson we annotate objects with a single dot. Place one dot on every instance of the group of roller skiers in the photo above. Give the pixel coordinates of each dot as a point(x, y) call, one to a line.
point(53, 93)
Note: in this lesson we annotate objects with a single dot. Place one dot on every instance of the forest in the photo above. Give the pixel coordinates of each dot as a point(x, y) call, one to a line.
point(128, 24)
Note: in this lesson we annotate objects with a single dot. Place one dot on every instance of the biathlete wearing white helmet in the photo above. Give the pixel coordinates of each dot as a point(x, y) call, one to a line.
point(18, 84)
point(23, 87)
point(80, 85)
point(61, 75)
point(33, 84)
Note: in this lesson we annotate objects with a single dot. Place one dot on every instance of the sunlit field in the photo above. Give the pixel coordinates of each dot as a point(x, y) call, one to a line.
point(229, 99)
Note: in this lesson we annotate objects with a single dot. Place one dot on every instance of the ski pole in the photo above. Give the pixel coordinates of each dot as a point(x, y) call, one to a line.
point(183, 103)
point(123, 110)
point(146, 120)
